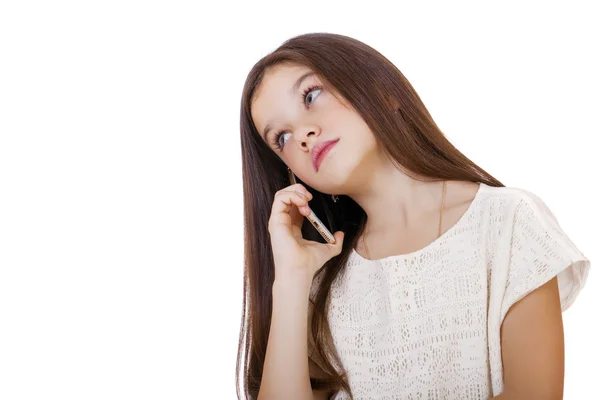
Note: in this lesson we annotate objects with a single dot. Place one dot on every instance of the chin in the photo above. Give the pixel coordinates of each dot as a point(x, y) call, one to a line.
point(334, 174)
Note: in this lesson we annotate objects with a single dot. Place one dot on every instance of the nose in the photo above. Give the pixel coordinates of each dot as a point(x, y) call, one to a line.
point(308, 135)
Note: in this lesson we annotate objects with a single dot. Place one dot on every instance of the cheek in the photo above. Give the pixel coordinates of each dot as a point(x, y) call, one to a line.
point(359, 132)
point(350, 121)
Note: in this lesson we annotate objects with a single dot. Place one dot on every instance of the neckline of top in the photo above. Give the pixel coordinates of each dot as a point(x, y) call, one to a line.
point(460, 221)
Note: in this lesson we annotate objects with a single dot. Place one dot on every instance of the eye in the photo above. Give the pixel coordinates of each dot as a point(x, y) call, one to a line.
point(308, 91)
point(277, 141)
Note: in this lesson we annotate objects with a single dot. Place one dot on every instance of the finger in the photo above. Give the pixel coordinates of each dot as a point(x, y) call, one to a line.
point(336, 248)
point(285, 201)
point(297, 191)
point(284, 195)
point(301, 188)
point(298, 213)
point(304, 194)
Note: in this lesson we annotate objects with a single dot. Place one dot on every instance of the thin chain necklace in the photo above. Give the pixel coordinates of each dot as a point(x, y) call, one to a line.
point(439, 225)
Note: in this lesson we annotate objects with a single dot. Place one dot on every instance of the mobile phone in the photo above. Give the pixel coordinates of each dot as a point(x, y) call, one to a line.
point(312, 217)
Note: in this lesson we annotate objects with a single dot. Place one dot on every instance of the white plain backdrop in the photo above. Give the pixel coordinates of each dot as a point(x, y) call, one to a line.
point(121, 241)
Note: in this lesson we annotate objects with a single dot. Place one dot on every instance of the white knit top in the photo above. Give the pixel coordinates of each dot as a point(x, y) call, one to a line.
point(426, 325)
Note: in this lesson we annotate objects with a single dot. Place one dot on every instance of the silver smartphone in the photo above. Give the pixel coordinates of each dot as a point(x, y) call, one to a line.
point(312, 217)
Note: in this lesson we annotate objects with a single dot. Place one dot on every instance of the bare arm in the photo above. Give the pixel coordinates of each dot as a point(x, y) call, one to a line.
point(285, 372)
point(533, 347)
point(286, 369)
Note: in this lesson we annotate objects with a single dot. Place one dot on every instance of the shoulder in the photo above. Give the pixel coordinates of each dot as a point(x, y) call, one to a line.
point(509, 193)
point(510, 200)
point(530, 247)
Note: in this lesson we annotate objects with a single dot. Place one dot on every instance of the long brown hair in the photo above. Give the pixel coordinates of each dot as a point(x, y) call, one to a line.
point(375, 88)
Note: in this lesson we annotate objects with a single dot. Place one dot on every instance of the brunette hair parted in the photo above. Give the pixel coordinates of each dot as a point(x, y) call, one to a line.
point(402, 126)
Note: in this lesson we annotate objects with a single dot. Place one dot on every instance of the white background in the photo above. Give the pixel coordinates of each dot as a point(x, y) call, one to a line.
point(120, 178)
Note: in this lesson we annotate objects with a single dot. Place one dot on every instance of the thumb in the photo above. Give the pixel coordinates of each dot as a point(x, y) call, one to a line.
point(336, 248)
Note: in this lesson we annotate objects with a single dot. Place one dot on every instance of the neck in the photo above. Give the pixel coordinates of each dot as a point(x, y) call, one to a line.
point(391, 198)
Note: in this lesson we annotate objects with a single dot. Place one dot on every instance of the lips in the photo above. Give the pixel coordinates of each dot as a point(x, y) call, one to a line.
point(321, 150)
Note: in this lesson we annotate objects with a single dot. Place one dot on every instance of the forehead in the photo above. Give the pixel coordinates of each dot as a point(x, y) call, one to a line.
point(274, 93)
point(278, 80)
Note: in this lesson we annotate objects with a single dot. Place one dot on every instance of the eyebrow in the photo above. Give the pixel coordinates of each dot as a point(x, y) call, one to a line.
point(294, 89)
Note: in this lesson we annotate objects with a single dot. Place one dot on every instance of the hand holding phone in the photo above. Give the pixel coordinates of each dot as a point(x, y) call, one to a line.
point(312, 217)
point(292, 254)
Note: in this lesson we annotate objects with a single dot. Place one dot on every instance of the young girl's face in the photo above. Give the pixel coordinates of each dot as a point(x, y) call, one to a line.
point(293, 113)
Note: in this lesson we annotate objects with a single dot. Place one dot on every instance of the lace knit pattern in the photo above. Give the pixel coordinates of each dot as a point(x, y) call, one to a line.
point(426, 325)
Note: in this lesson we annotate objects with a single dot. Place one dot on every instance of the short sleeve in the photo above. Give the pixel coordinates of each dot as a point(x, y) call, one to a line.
point(527, 249)
point(539, 250)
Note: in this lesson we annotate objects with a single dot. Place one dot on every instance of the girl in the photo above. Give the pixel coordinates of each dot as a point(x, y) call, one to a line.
point(442, 283)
